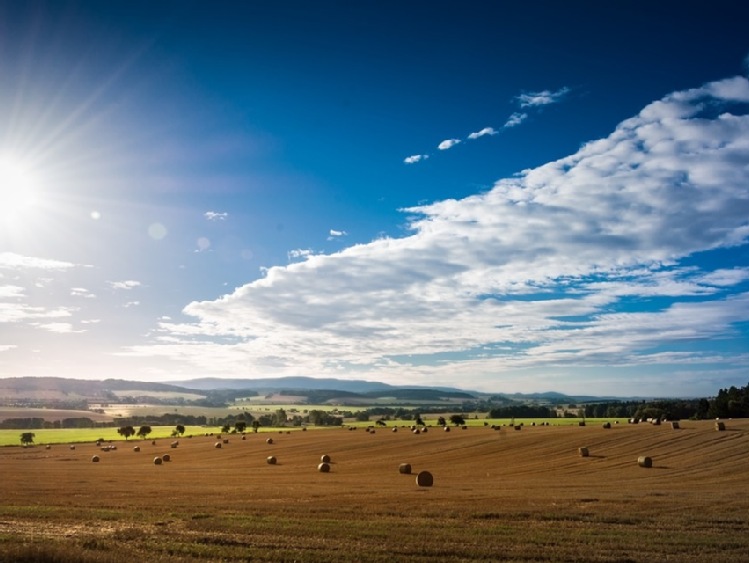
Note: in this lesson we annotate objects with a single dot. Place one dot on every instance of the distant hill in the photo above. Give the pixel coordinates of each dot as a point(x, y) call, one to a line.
point(278, 384)
point(217, 390)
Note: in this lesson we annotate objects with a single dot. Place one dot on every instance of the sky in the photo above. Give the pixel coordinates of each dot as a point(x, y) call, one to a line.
point(496, 196)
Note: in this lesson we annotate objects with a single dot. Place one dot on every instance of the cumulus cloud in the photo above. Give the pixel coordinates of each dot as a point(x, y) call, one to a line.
point(335, 233)
point(448, 144)
point(126, 284)
point(515, 119)
point(547, 270)
point(415, 158)
point(484, 131)
point(542, 98)
point(215, 216)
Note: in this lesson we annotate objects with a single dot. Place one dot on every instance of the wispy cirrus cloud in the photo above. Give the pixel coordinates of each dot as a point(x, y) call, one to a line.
point(542, 98)
point(482, 133)
point(570, 266)
point(448, 144)
point(126, 284)
point(215, 215)
point(515, 119)
point(414, 158)
point(526, 100)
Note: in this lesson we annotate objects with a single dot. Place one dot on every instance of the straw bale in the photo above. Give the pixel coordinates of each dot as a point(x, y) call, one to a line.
point(424, 479)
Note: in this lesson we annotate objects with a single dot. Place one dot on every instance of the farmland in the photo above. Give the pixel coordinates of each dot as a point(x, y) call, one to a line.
point(498, 495)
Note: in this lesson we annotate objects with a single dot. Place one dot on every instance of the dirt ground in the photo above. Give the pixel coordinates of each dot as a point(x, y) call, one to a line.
point(498, 495)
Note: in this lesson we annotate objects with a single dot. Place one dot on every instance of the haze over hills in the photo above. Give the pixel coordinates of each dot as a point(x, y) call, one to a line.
point(60, 389)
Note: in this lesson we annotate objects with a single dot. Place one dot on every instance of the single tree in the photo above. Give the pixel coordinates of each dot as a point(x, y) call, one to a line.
point(457, 420)
point(144, 431)
point(126, 431)
point(441, 421)
point(225, 429)
point(255, 425)
point(180, 429)
point(240, 425)
point(27, 438)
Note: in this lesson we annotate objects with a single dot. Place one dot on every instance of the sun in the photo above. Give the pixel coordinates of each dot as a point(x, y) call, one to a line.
point(18, 187)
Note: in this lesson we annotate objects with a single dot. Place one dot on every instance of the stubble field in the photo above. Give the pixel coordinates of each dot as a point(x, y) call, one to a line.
point(497, 496)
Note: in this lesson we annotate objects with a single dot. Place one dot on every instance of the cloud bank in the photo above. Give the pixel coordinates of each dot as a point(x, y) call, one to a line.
point(554, 270)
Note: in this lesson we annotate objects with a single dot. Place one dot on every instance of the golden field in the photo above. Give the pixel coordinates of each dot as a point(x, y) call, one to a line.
point(501, 495)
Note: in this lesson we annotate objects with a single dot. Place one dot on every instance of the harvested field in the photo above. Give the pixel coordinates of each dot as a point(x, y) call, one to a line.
point(497, 496)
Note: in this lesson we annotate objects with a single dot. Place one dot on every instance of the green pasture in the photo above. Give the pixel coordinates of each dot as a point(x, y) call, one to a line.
point(431, 420)
point(82, 435)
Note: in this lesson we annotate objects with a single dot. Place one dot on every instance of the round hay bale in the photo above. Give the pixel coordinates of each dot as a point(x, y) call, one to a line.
point(269, 441)
point(675, 425)
point(416, 431)
point(72, 447)
point(518, 427)
point(644, 461)
point(174, 444)
point(226, 440)
point(304, 429)
point(153, 442)
point(404, 468)
point(95, 458)
point(395, 430)
point(424, 479)
point(607, 425)
point(581, 423)
point(218, 436)
point(656, 422)
point(217, 445)
point(464, 427)
point(271, 460)
point(371, 431)
point(720, 426)
point(157, 460)
point(583, 452)
point(98, 443)
point(325, 458)
point(424, 430)
point(244, 437)
point(447, 429)
point(166, 457)
point(136, 449)
point(324, 468)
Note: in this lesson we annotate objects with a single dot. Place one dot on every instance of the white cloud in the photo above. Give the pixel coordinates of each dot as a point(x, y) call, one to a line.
point(299, 253)
point(448, 144)
point(335, 233)
point(7, 347)
point(14, 261)
point(215, 215)
point(7, 291)
point(61, 328)
point(415, 158)
point(515, 119)
point(81, 292)
point(484, 131)
point(542, 98)
point(548, 270)
point(127, 284)
point(131, 304)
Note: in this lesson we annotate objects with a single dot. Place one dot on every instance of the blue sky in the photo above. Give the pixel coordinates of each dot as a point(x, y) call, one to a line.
point(483, 195)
